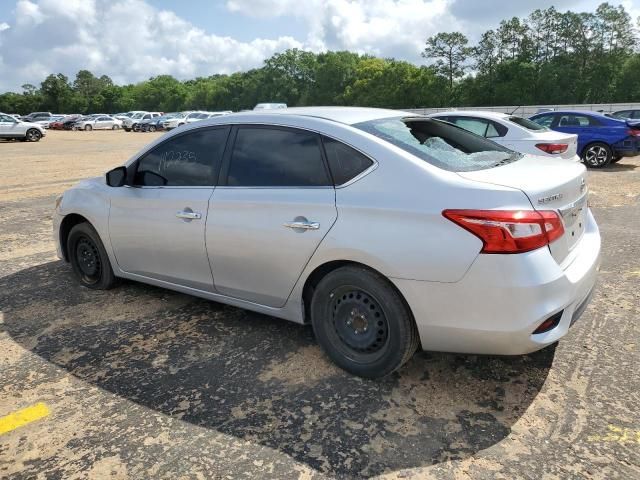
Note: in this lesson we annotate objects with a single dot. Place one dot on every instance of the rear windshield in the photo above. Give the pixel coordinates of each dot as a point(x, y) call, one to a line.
point(526, 123)
point(439, 143)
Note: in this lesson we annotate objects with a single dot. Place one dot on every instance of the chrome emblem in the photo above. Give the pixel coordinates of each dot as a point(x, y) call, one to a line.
point(549, 199)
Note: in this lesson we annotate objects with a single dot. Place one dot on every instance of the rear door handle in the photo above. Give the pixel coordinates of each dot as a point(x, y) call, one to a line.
point(189, 215)
point(303, 225)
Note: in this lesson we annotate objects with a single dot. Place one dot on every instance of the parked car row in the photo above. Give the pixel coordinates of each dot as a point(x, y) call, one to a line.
point(591, 137)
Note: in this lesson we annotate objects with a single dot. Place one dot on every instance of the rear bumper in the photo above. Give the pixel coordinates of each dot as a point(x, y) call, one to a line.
point(503, 298)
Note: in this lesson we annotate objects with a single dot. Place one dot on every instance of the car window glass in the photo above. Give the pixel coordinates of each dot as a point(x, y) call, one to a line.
point(440, 144)
point(474, 125)
point(268, 157)
point(545, 120)
point(345, 162)
point(492, 131)
point(574, 121)
point(185, 160)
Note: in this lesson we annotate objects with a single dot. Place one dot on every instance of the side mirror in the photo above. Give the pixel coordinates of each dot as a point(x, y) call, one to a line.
point(117, 177)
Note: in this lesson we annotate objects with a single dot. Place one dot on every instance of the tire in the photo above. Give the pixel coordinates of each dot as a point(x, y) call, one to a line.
point(135, 127)
point(115, 127)
point(127, 129)
point(362, 322)
point(151, 128)
point(33, 135)
point(88, 128)
point(597, 155)
point(89, 259)
point(616, 159)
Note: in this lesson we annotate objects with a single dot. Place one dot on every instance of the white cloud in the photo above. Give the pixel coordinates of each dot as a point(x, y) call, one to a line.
point(4, 26)
point(128, 40)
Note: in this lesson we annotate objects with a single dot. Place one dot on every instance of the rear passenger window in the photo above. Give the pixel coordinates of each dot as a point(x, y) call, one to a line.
point(269, 157)
point(345, 162)
point(187, 160)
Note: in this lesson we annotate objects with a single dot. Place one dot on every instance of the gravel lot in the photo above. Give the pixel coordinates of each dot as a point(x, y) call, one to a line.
point(142, 382)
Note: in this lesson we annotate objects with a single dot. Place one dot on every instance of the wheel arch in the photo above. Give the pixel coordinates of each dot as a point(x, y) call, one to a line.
point(68, 222)
point(324, 269)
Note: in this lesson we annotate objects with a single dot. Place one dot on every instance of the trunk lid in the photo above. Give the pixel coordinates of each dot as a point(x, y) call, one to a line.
point(549, 185)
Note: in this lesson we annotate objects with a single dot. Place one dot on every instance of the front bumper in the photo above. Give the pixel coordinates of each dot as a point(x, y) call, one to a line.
point(503, 298)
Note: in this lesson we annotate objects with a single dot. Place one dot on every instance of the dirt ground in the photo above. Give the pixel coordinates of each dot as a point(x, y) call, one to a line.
point(141, 382)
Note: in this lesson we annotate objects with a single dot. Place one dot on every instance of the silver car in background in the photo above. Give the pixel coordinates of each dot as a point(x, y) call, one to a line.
point(385, 230)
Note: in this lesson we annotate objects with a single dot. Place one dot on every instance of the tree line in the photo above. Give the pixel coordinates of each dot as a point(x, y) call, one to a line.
point(549, 57)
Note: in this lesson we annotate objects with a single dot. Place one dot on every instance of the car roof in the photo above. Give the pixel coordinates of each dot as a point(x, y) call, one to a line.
point(574, 112)
point(346, 115)
point(473, 113)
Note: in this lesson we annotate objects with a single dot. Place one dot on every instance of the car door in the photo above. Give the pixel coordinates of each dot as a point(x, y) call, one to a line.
point(6, 122)
point(582, 125)
point(274, 205)
point(157, 224)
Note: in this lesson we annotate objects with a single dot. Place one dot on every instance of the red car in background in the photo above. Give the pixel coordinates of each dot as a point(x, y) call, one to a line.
point(59, 124)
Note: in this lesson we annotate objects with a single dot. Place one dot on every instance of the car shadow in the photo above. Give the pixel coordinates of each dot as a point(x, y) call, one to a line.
point(619, 167)
point(265, 380)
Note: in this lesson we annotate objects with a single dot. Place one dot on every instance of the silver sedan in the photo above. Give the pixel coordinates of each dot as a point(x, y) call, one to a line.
point(385, 230)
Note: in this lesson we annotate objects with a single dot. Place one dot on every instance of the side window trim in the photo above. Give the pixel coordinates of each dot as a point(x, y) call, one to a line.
point(132, 168)
point(231, 142)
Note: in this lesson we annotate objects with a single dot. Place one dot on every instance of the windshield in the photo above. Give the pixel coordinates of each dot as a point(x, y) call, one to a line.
point(528, 124)
point(439, 143)
point(138, 115)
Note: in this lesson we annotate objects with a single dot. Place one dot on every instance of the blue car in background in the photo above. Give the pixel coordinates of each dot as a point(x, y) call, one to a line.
point(601, 140)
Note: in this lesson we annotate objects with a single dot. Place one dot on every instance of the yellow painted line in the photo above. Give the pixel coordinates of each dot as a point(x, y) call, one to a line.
point(23, 417)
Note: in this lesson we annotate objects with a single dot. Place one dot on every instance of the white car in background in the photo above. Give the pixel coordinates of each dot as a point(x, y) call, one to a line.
point(178, 119)
point(513, 132)
point(10, 127)
point(270, 106)
point(197, 116)
point(131, 123)
point(103, 122)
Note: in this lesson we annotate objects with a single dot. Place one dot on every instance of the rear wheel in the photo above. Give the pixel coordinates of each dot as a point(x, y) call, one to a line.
point(597, 155)
point(362, 323)
point(33, 135)
point(88, 128)
point(115, 126)
point(151, 128)
point(89, 259)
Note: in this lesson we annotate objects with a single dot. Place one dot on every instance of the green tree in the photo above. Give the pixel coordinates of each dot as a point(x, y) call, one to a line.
point(448, 53)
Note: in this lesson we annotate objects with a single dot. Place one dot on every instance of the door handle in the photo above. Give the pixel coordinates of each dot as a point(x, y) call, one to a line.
point(303, 225)
point(189, 215)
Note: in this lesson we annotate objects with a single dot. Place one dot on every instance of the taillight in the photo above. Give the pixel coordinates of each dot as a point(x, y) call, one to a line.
point(552, 147)
point(509, 231)
point(634, 132)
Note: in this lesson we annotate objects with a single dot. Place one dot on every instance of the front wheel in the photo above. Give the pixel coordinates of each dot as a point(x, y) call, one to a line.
point(89, 259)
point(362, 322)
point(88, 128)
point(33, 135)
point(151, 128)
point(597, 155)
point(115, 127)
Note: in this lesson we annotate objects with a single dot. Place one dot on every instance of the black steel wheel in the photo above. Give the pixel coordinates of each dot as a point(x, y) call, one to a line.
point(597, 155)
point(362, 322)
point(88, 258)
